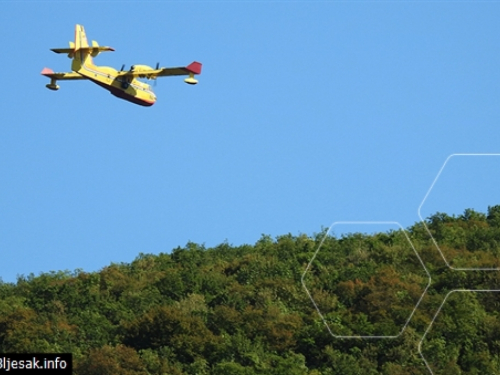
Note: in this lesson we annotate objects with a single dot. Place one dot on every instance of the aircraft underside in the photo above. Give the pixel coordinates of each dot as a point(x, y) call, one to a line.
point(119, 93)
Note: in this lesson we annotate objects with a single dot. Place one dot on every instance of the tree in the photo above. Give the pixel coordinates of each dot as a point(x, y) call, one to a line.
point(116, 360)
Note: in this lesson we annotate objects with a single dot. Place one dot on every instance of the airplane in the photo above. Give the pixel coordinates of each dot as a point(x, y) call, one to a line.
point(123, 84)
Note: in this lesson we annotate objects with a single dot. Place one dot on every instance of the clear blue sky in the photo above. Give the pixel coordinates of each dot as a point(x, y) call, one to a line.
point(306, 113)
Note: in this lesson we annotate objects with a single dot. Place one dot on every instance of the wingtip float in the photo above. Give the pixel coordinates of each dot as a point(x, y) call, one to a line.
point(121, 83)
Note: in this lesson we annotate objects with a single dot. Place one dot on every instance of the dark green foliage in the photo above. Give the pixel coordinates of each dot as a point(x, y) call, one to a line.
point(242, 310)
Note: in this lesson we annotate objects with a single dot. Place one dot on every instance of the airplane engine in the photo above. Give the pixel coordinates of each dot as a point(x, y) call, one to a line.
point(140, 68)
point(95, 50)
point(72, 47)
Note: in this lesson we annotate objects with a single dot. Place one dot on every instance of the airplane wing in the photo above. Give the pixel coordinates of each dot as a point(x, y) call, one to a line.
point(60, 76)
point(193, 68)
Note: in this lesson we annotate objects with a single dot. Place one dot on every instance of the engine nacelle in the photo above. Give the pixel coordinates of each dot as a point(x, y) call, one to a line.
point(95, 50)
point(141, 68)
point(72, 47)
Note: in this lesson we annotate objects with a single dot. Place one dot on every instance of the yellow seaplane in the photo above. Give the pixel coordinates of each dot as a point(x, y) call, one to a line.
point(123, 83)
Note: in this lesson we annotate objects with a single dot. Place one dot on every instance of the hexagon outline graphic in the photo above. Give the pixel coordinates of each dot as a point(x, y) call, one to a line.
point(362, 336)
point(437, 313)
point(427, 229)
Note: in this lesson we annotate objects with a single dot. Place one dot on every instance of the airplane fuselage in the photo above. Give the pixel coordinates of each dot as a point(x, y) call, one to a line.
point(127, 88)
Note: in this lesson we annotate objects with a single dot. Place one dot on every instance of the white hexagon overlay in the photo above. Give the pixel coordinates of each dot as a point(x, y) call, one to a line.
point(316, 253)
point(427, 229)
point(437, 313)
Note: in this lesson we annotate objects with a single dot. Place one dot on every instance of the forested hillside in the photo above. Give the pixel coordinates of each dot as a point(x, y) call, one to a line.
point(234, 310)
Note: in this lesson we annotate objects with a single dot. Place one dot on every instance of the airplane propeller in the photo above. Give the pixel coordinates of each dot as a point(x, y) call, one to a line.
point(152, 78)
point(157, 67)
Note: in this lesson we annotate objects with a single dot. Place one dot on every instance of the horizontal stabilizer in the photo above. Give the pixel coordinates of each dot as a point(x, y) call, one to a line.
point(86, 49)
point(62, 50)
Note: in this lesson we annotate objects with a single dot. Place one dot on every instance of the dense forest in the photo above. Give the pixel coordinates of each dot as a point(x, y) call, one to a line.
point(253, 309)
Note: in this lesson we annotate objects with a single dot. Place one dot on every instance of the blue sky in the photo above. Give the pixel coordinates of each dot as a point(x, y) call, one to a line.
point(306, 113)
